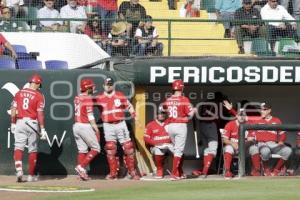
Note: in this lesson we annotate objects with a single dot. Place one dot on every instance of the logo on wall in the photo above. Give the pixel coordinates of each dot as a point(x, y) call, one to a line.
point(226, 75)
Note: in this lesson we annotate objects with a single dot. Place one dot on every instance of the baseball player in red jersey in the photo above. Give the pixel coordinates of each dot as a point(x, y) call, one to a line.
point(112, 105)
point(230, 137)
point(269, 142)
point(159, 141)
point(179, 110)
point(85, 129)
point(27, 121)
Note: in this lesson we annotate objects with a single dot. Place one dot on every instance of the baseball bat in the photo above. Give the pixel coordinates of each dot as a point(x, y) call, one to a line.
point(29, 125)
point(196, 137)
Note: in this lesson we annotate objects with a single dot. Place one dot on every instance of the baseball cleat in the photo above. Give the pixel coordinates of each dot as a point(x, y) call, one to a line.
point(267, 172)
point(159, 174)
point(175, 178)
point(228, 175)
point(255, 173)
point(82, 173)
point(19, 176)
point(111, 177)
point(197, 172)
point(32, 178)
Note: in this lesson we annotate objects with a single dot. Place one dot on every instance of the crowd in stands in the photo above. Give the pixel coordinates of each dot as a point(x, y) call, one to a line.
point(242, 19)
point(112, 28)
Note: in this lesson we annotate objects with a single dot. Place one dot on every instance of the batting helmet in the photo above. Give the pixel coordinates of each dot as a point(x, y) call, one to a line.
point(36, 79)
point(86, 84)
point(177, 85)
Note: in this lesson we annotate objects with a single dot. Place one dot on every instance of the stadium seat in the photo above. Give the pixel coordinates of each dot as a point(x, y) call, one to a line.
point(56, 64)
point(260, 47)
point(24, 55)
point(287, 42)
point(19, 48)
point(29, 64)
point(7, 62)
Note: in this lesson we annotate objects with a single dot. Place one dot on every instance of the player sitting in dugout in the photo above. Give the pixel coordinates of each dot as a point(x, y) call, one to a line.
point(266, 142)
point(158, 141)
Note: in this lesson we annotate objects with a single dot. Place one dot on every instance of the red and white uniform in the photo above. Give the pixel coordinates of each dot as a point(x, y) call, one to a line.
point(83, 108)
point(178, 108)
point(231, 131)
point(266, 135)
point(155, 134)
point(84, 133)
point(112, 106)
point(28, 102)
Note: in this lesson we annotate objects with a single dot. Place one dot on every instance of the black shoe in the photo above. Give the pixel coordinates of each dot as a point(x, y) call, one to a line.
point(227, 33)
point(241, 51)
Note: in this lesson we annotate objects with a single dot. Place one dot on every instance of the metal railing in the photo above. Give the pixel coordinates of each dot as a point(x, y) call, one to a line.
point(167, 29)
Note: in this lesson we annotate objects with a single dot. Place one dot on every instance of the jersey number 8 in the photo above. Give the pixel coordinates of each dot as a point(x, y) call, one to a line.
point(25, 103)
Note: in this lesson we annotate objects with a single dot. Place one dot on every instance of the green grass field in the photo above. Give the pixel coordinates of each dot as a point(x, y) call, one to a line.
point(257, 189)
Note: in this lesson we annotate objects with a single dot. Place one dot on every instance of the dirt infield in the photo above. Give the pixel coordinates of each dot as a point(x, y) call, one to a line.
point(96, 183)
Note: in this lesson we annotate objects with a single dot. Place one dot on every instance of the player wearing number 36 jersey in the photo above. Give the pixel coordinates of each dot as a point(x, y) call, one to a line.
point(179, 110)
point(27, 123)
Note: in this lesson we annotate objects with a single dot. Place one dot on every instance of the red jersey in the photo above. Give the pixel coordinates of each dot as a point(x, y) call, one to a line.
point(266, 135)
point(231, 131)
point(112, 106)
point(156, 134)
point(83, 109)
point(28, 102)
point(178, 108)
point(2, 42)
point(111, 5)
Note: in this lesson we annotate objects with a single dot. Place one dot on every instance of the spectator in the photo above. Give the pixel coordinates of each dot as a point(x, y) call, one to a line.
point(107, 10)
point(172, 4)
point(72, 10)
point(192, 8)
point(258, 4)
point(118, 43)
point(252, 28)
point(94, 31)
point(273, 11)
point(147, 39)
point(225, 11)
point(16, 7)
point(48, 11)
point(132, 12)
point(5, 44)
point(296, 7)
point(269, 142)
point(6, 25)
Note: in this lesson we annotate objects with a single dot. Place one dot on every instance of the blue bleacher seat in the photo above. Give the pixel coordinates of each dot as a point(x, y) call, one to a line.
point(7, 62)
point(29, 64)
point(19, 48)
point(23, 55)
point(56, 64)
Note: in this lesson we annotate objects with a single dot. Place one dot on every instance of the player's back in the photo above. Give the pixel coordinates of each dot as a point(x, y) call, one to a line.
point(178, 108)
point(83, 107)
point(28, 102)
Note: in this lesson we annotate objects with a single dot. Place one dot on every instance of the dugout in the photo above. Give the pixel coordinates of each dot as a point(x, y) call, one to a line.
point(276, 81)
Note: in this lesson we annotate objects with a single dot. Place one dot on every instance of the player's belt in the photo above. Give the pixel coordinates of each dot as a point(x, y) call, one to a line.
point(115, 122)
point(26, 118)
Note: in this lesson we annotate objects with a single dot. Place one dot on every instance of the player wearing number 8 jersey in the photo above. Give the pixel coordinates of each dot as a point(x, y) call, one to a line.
point(179, 110)
point(86, 132)
point(27, 119)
